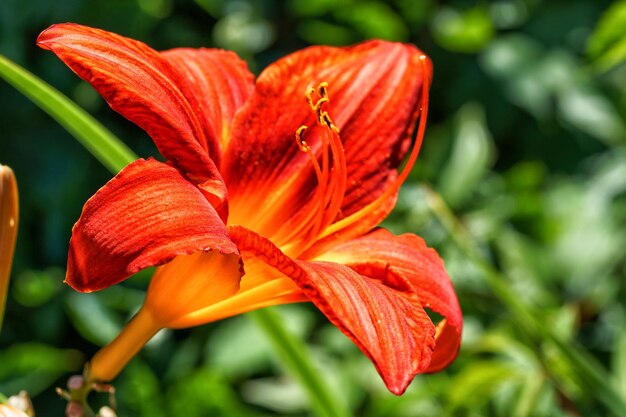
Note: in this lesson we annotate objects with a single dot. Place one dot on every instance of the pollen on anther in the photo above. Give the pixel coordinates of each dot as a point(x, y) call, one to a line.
point(323, 88)
point(304, 147)
point(325, 118)
point(309, 97)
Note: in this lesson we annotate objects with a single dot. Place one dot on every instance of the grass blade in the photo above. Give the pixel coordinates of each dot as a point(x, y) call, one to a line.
point(98, 140)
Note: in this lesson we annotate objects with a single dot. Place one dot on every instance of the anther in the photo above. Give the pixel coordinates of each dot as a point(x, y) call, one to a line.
point(304, 147)
point(309, 97)
point(323, 89)
point(325, 119)
point(317, 108)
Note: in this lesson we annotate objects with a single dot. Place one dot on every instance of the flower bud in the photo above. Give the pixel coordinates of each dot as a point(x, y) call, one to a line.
point(8, 230)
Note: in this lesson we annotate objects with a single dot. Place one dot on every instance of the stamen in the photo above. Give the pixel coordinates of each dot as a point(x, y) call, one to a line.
point(323, 89)
point(325, 119)
point(330, 174)
point(423, 109)
point(309, 97)
point(304, 147)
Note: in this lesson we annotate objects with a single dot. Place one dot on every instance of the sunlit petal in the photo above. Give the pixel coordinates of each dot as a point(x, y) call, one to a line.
point(145, 88)
point(145, 216)
point(380, 313)
point(408, 256)
point(375, 92)
point(216, 83)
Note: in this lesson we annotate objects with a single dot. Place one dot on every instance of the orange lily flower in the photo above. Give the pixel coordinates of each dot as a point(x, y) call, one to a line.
point(265, 197)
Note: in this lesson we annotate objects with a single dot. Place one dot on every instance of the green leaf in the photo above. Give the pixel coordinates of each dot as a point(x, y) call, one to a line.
point(239, 348)
point(34, 367)
point(593, 113)
point(35, 288)
point(467, 31)
point(471, 155)
point(619, 362)
point(316, 31)
point(374, 19)
point(308, 8)
point(141, 391)
point(531, 389)
point(477, 382)
point(295, 355)
point(206, 393)
point(101, 143)
point(607, 44)
point(281, 395)
point(92, 319)
point(230, 350)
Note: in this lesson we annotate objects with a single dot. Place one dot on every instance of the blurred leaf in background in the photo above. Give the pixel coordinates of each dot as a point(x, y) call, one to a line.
point(607, 45)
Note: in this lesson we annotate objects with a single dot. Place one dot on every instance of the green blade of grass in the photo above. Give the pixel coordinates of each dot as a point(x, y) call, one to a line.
point(114, 155)
point(99, 141)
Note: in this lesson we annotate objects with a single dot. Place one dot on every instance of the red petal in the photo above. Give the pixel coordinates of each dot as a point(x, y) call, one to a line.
point(408, 256)
point(381, 314)
point(374, 91)
point(145, 216)
point(146, 89)
point(216, 83)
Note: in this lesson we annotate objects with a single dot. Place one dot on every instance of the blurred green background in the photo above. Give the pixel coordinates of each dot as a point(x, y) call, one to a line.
point(521, 182)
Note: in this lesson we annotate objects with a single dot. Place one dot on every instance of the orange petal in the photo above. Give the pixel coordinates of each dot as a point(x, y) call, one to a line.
point(381, 314)
point(145, 216)
point(150, 90)
point(190, 283)
point(408, 256)
point(375, 90)
point(216, 83)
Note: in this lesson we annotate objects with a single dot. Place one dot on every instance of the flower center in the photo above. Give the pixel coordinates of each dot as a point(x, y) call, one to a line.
point(329, 164)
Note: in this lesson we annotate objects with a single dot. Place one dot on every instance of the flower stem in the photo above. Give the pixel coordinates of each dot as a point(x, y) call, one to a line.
point(111, 359)
point(294, 354)
point(590, 372)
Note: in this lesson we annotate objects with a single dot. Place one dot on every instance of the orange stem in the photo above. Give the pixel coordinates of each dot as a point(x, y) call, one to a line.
point(111, 359)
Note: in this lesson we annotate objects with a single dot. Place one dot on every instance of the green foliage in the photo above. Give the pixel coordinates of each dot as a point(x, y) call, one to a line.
point(462, 31)
point(34, 367)
point(525, 150)
point(607, 45)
